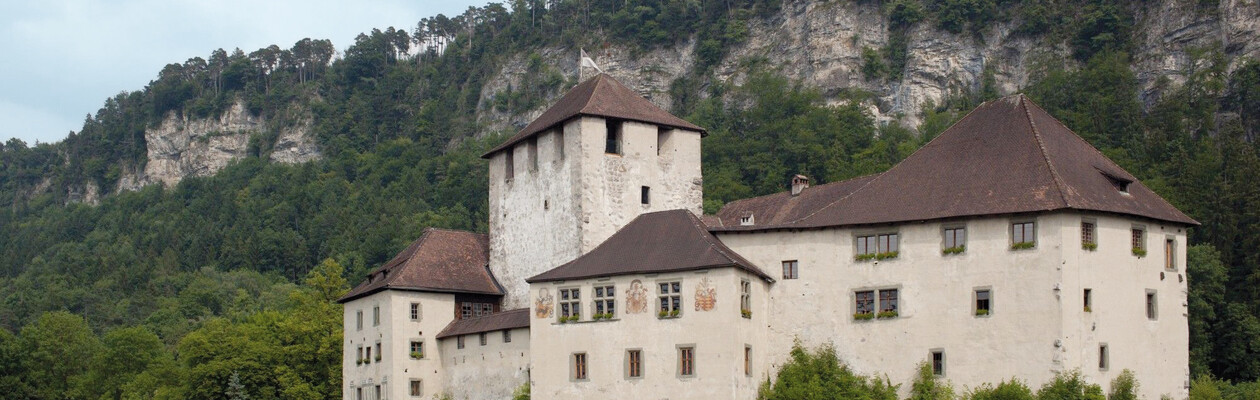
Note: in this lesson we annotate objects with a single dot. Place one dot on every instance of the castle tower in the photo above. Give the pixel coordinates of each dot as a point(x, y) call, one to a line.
point(587, 166)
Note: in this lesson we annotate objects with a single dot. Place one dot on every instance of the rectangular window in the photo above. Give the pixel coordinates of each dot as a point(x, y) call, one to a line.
point(360, 354)
point(865, 301)
point(747, 360)
point(888, 301)
point(1152, 305)
point(579, 366)
point(570, 302)
point(612, 143)
point(376, 316)
point(1023, 233)
point(955, 237)
point(1170, 254)
point(358, 393)
point(1102, 357)
point(983, 302)
point(938, 362)
point(670, 296)
point(469, 310)
point(368, 356)
point(1088, 234)
point(1138, 237)
point(634, 363)
point(877, 244)
point(559, 138)
point(605, 300)
point(459, 342)
point(358, 317)
point(687, 361)
point(509, 165)
point(378, 393)
point(415, 311)
point(482, 338)
point(645, 195)
point(790, 269)
point(378, 351)
point(417, 350)
point(416, 388)
point(532, 152)
point(507, 336)
point(1089, 300)
point(745, 298)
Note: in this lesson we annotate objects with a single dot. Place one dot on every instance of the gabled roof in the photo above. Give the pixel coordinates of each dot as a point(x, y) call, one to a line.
point(663, 241)
point(601, 96)
point(439, 261)
point(1006, 156)
point(511, 319)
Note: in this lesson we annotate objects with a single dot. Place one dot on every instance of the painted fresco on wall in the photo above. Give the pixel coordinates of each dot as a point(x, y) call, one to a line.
point(706, 296)
point(636, 298)
point(543, 306)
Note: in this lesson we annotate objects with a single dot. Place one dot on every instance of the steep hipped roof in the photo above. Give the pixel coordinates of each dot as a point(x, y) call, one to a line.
point(1006, 156)
point(601, 96)
point(663, 241)
point(782, 208)
point(439, 261)
point(511, 319)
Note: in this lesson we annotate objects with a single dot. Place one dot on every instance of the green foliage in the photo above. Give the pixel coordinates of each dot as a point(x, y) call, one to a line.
point(1023, 245)
point(522, 392)
point(58, 350)
point(819, 374)
point(1006, 390)
point(928, 386)
point(1089, 246)
point(1070, 386)
point(873, 66)
point(886, 255)
point(954, 250)
point(886, 314)
point(956, 16)
point(1124, 387)
point(1139, 252)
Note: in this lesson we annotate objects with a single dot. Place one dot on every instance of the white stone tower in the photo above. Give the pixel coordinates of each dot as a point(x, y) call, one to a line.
point(596, 159)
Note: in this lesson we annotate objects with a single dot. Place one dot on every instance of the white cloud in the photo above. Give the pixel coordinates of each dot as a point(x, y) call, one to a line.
point(61, 59)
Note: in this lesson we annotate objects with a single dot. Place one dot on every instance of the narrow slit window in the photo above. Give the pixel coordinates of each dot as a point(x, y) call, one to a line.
point(507, 336)
point(482, 338)
point(745, 298)
point(459, 342)
point(1170, 254)
point(532, 153)
point(645, 195)
point(579, 366)
point(634, 363)
point(509, 167)
point(376, 316)
point(1089, 300)
point(747, 360)
point(1103, 357)
point(686, 361)
point(1152, 305)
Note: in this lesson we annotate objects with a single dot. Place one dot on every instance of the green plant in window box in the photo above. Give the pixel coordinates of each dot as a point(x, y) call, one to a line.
point(367, 360)
point(1139, 252)
point(982, 312)
point(886, 314)
point(954, 250)
point(673, 314)
point(378, 358)
point(416, 355)
point(1022, 246)
point(1087, 309)
point(863, 316)
point(865, 257)
point(746, 313)
point(886, 255)
point(662, 314)
point(1089, 246)
point(358, 362)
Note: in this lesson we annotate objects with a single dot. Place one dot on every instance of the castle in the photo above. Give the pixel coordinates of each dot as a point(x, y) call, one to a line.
point(1005, 247)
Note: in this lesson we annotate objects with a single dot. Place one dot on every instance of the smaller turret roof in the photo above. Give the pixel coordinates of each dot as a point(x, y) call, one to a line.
point(439, 261)
point(601, 96)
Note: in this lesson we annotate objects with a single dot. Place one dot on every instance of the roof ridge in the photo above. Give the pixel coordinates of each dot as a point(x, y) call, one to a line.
point(704, 234)
point(885, 173)
point(717, 245)
point(1054, 173)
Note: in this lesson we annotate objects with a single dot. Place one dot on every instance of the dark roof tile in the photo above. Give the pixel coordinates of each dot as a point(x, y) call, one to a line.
point(439, 261)
point(511, 319)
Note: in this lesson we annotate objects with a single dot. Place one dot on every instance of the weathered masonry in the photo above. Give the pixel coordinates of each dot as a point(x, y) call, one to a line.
point(1007, 246)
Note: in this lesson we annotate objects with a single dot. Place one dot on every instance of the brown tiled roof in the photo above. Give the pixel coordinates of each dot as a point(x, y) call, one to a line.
point(601, 96)
point(512, 319)
point(663, 241)
point(782, 208)
point(1006, 156)
point(439, 261)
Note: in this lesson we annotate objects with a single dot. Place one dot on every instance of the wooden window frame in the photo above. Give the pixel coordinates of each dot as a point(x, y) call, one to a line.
point(605, 299)
point(1137, 238)
point(1170, 253)
point(936, 358)
point(791, 269)
point(953, 236)
point(416, 388)
point(634, 364)
point(414, 312)
point(686, 361)
point(1027, 232)
point(1089, 232)
point(413, 349)
point(578, 364)
point(745, 298)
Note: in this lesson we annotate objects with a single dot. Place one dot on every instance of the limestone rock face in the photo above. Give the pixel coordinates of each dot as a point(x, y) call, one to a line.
point(182, 147)
point(821, 44)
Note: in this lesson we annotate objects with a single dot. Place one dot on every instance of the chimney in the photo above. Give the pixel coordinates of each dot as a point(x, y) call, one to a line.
point(799, 183)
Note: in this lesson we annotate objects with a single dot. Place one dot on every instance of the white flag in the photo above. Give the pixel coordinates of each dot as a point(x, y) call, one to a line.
point(588, 62)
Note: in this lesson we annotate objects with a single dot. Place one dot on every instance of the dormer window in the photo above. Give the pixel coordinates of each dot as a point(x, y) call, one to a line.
point(747, 219)
point(1120, 183)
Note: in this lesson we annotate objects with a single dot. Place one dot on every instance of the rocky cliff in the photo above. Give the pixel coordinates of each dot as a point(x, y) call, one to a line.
point(182, 147)
point(821, 44)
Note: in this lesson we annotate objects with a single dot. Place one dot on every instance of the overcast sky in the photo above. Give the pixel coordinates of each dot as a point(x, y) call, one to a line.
point(60, 59)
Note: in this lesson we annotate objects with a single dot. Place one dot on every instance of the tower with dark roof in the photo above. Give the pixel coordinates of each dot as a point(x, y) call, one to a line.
point(598, 158)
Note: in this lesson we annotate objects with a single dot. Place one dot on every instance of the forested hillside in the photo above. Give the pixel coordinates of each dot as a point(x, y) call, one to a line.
point(223, 285)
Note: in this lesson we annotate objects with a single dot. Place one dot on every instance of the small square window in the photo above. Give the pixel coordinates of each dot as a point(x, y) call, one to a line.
point(417, 350)
point(1023, 235)
point(938, 362)
point(865, 302)
point(417, 388)
point(790, 269)
point(955, 238)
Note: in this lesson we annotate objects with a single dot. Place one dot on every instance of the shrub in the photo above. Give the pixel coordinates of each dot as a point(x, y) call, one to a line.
point(807, 374)
point(521, 392)
point(928, 386)
point(1124, 387)
point(1007, 390)
point(1070, 386)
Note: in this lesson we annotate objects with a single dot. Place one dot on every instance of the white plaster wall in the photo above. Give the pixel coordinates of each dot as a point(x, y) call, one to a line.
point(572, 203)
point(936, 302)
point(492, 371)
point(534, 218)
point(719, 336)
point(395, 332)
point(1155, 350)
